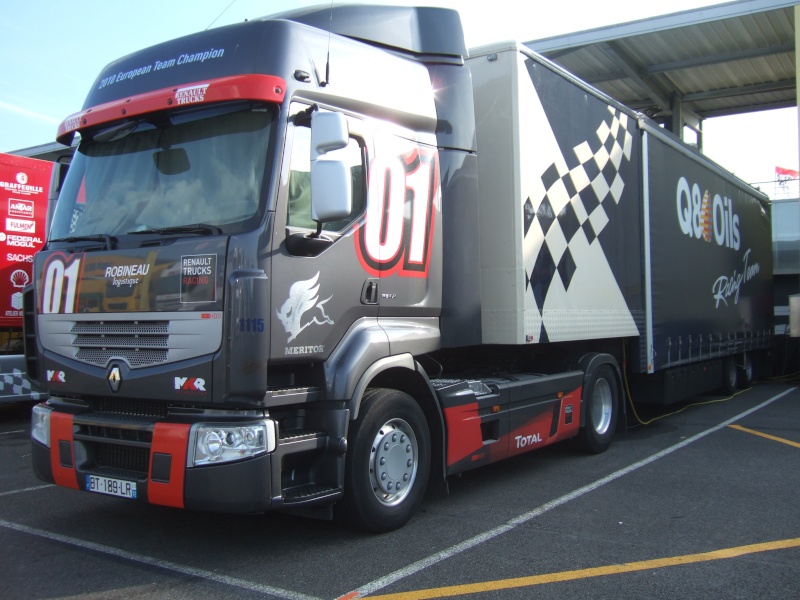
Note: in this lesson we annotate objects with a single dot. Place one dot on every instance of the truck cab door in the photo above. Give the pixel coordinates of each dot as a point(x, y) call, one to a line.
point(317, 282)
point(399, 244)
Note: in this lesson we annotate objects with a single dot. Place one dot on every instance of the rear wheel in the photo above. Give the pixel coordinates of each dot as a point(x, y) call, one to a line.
point(388, 462)
point(729, 375)
point(744, 371)
point(601, 398)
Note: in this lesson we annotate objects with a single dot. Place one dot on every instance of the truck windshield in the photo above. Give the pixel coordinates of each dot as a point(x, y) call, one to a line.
point(197, 167)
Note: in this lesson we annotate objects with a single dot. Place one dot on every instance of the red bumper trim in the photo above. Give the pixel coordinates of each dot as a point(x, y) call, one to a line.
point(171, 439)
point(61, 430)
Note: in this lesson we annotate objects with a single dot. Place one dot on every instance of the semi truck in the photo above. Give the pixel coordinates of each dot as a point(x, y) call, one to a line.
point(311, 262)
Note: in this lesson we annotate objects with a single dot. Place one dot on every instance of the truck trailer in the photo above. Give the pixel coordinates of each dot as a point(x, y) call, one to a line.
point(309, 262)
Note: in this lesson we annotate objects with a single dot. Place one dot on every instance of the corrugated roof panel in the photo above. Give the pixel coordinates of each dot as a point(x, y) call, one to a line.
point(726, 58)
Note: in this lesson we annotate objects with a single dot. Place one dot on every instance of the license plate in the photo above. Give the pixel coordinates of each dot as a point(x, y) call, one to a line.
point(111, 486)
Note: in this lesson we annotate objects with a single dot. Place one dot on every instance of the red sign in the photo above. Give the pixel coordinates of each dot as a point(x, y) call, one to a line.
point(24, 191)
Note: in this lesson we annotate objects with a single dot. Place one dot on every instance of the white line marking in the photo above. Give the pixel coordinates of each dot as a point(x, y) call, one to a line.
point(16, 431)
point(421, 565)
point(160, 564)
point(29, 489)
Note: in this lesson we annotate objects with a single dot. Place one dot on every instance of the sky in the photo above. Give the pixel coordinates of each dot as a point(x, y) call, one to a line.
point(51, 52)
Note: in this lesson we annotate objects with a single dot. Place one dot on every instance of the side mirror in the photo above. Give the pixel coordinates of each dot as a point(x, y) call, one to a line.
point(331, 194)
point(328, 132)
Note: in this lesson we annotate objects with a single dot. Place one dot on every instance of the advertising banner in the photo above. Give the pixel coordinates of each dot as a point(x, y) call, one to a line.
point(24, 190)
point(711, 260)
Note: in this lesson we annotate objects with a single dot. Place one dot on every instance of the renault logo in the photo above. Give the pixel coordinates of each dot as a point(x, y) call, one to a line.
point(114, 378)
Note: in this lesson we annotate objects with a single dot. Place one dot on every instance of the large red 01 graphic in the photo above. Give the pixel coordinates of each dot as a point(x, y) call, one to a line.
point(398, 230)
point(60, 279)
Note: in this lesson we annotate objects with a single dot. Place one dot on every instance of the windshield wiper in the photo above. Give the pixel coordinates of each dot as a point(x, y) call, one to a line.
point(202, 228)
point(108, 240)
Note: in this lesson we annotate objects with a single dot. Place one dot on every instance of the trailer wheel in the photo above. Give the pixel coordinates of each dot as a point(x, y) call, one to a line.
point(601, 403)
point(729, 376)
point(744, 372)
point(388, 462)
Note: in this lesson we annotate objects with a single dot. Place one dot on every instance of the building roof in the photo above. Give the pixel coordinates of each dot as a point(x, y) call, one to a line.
point(720, 60)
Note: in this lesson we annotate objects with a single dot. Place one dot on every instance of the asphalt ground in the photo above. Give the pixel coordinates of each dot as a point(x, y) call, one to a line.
point(704, 503)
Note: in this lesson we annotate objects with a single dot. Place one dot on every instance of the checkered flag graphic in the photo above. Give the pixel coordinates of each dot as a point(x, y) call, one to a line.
point(76, 217)
point(17, 384)
point(575, 207)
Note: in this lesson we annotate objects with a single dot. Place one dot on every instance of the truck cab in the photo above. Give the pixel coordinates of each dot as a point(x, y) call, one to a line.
point(249, 238)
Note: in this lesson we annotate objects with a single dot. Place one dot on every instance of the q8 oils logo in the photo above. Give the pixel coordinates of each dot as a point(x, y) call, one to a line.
point(705, 217)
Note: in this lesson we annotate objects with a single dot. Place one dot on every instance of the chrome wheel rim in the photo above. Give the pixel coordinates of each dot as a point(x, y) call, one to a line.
point(393, 462)
point(602, 406)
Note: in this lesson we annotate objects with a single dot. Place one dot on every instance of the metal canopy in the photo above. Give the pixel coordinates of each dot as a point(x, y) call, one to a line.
point(680, 68)
point(684, 67)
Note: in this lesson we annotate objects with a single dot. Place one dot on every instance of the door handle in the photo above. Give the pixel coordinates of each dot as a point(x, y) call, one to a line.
point(369, 293)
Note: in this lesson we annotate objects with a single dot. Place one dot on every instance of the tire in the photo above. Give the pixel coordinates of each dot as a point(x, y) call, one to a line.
point(729, 376)
point(387, 463)
point(601, 402)
point(744, 372)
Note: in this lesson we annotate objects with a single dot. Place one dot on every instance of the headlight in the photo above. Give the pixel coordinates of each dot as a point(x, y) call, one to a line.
point(40, 424)
point(215, 443)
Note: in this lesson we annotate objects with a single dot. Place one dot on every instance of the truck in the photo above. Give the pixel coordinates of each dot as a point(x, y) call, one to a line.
point(25, 193)
point(311, 262)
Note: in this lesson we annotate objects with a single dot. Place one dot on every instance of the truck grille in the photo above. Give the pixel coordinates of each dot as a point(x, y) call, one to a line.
point(115, 434)
point(125, 458)
point(121, 341)
point(114, 442)
point(153, 410)
point(140, 343)
point(130, 328)
point(140, 339)
point(135, 357)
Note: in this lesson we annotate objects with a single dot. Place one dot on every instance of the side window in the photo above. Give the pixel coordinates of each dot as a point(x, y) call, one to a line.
point(299, 210)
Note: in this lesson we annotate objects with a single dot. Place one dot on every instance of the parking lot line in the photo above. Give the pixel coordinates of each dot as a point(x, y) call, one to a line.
point(434, 559)
point(155, 562)
point(765, 435)
point(642, 565)
point(28, 489)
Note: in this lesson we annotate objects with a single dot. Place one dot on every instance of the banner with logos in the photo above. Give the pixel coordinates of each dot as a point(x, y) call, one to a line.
point(711, 259)
point(24, 190)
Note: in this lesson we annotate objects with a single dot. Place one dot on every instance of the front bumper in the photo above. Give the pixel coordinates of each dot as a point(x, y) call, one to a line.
point(155, 458)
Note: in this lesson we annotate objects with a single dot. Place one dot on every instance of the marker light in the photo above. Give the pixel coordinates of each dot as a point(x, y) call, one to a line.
point(40, 424)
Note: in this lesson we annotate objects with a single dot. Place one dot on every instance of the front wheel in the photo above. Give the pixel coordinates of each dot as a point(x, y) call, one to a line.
point(387, 463)
point(601, 398)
